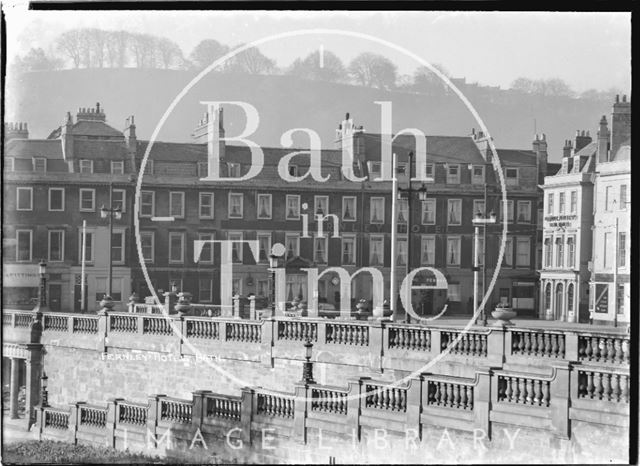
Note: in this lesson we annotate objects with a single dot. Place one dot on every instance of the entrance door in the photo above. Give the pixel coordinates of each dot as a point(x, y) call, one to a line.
point(55, 296)
point(559, 302)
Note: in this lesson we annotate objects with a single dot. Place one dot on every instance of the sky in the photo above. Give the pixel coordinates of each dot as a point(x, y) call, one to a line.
point(587, 50)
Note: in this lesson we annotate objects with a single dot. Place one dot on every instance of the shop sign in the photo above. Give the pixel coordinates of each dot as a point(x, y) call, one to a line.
point(20, 275)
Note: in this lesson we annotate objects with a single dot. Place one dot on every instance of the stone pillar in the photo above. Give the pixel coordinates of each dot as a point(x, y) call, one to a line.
point(34, 372)
point(353, 405)
point(246, 415)
point(571, 346)
point(199, 410)
point(496, 347)
point(74, 419)
point(559, 396)
point(153, 416)
point(376, 341)
point(414, 401)
point(300, 412)
point(15, 388)
point(112, 421)
point(236, 306)
point(436, 341)
point(103, 329)
point(482, 400)
point(252, 307)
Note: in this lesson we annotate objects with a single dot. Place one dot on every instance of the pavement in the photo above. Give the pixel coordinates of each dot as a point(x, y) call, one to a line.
point(14, 430)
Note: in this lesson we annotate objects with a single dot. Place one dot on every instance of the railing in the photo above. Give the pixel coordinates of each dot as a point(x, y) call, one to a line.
point(148, 308)
point(123, 323)
point(56, 419)
point(206, 310)
point(94, 417)
point(157, 326)
point(57, 323)
point(223, 407)
point(603, 385)
point(347, 334)
point(85, 325)
point(386, 398)
point(275, 405)
point(408, 338)
point(523, 390)
point(129, 413)
point(603, 349)
point(296, 330)
point(175, 410)
point(538, 343)
point(327, 400)
point(469, 344)
point(244, 332)
point(449, 394)
point(23, 320)
point(202, 329)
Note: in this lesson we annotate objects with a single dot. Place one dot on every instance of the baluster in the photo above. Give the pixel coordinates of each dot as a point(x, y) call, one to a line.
point(625, 351)
point(598, 384)
point(554, 344)
point(561, 346)
point(595, 347)
point(529, 387)
point(456, 395)
point(443, 393)
point(615, 387)
point(545, 393)
point(527, 342)
point(624, 383)
point(463, 396)
point(450, 399)
point(602, 346)
point(506, 388)
point(537, 393)
point(590, 385)
point(521, 390)
point(469, 390)
point(547, 344)
point(617, 349)
point(606, 386)
point(588, 348)
point(434, 392)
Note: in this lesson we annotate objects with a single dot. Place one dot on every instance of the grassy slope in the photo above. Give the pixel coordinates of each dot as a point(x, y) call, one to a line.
point(42, 99)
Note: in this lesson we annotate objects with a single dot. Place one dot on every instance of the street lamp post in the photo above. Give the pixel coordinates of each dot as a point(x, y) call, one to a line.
point(307, 368)
point(44, 394)
point(42, 290)
point(273, 263)
point(480, 221)
point(110, 212)
point(406, 193)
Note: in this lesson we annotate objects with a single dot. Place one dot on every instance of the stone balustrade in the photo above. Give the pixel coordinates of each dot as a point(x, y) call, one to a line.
point(425, 400)
point(603, 349)
point(223, 407)
point(174, 410)
point(377, 345)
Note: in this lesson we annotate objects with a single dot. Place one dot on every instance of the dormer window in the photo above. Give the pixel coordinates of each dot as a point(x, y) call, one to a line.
point(453, 174)
point(374, 170)
point(477, 174)
point(117, 167)
point(86, 166)
point(40, 164)
point(511, 175)
point(233, 169)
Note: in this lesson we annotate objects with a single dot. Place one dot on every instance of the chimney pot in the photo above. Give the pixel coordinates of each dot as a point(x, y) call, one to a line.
point(617, 98)
point(624, 98)
point(346, 117)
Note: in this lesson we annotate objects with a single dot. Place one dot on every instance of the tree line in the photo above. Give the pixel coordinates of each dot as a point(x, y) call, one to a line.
point(97, 48)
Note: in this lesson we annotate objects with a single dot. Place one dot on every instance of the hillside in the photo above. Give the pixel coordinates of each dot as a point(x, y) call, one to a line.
point(43, 98)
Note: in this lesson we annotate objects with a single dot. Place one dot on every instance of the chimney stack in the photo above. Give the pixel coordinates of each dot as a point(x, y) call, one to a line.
point(603, 141)
point(15, 131)
point(540, 149)
point(620, 124)
point(582, 139)
point(566, 150)
point(91, 114)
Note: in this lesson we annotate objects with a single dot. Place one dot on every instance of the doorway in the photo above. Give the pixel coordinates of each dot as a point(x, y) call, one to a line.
point(55, 296)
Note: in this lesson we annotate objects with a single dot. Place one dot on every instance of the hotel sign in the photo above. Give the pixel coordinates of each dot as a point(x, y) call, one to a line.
point(20, 275)
point(560, 220)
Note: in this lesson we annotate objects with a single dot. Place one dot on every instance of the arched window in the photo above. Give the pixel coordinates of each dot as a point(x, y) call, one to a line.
point(547, 296)
point(570, 297)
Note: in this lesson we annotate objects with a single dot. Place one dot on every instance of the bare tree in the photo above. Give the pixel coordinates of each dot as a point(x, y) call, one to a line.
point(36, 60)
point(168, 52)
point(328, 68)
point(70, 43)
point(425, 80)
point(373, 70)
point(142, 46)
point(206, 52)
point(252, 61)
point(97, 39)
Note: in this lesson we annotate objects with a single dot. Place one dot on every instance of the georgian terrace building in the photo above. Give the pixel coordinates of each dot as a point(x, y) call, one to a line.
point(567, 220)
point(52, 185)
point(611, 267)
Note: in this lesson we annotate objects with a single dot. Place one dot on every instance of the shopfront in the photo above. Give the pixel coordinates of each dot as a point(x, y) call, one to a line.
point(20, 283)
